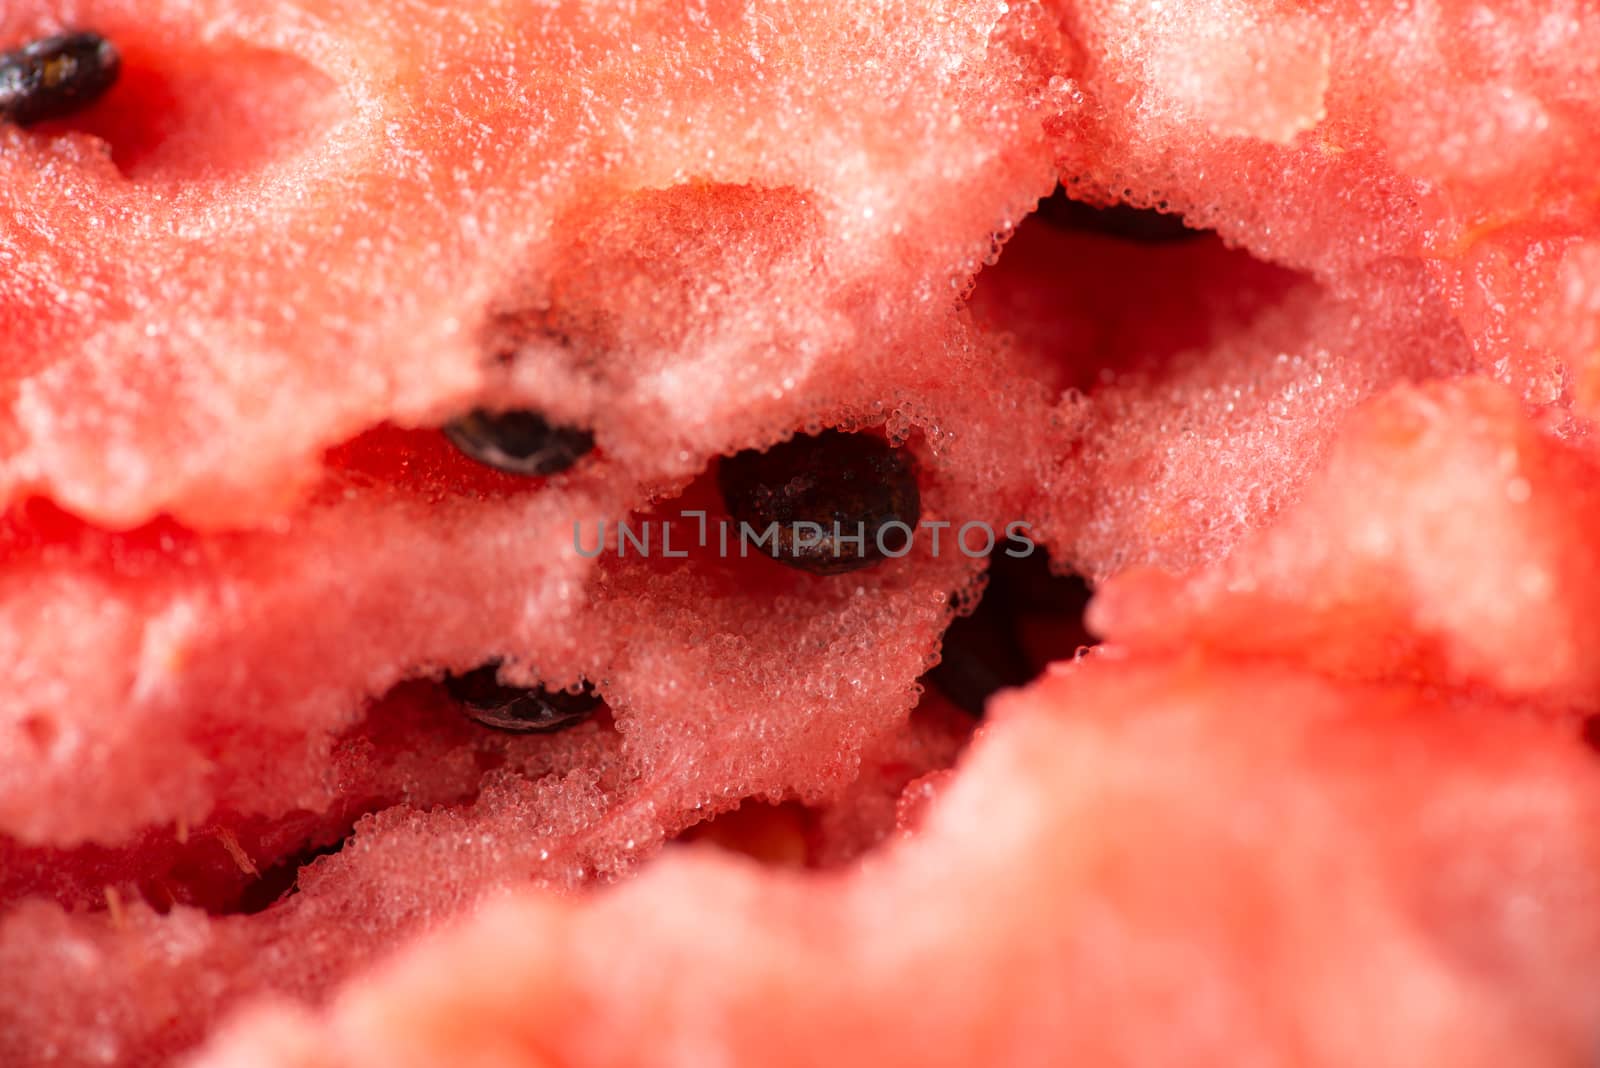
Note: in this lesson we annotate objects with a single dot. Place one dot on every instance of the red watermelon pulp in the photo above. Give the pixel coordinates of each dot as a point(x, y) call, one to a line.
point(1276, 325)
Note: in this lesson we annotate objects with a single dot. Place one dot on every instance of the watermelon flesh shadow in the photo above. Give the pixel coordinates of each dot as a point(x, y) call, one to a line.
point(1346, 588)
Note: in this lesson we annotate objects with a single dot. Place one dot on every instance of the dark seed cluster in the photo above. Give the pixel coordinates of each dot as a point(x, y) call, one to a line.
point(517, 708)
point(54, 77)
point(858, 481)
point(1144, 225)
point(519, 442)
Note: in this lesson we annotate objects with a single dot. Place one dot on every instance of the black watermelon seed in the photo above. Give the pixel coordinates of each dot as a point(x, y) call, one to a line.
point(1144, 225)
point(980, 656)
point(858, 481)
point(518, 708)
point(984, 652)
point(56, 76)
point(519, 442)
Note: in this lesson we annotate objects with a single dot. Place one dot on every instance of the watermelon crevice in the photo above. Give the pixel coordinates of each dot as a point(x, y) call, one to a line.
point(280, 879)
point(1026, 614)
point(412, 746)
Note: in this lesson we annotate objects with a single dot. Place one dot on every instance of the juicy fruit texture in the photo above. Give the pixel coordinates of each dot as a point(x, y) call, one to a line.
point(1446, 537)
point(524, 195)
point(1321, 798)
point(1331, 866)
point(1452, 142)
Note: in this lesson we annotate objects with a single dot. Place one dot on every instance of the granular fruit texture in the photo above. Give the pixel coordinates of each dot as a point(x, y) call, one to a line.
point(350, 348)
point(1254, 853)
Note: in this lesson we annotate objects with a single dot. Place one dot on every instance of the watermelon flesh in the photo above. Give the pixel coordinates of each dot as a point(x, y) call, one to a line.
point(1223, 852)
point(244, 289)
point(1446, 537)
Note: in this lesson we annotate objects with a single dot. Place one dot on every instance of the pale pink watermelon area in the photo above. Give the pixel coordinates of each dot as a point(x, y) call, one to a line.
point(1321, 799)
point(1446, 538)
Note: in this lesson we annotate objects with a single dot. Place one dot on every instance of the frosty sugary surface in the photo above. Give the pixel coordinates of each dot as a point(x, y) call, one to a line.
point(1322, 797)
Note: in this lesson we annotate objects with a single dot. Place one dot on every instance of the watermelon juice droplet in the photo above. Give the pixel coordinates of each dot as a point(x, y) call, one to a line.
point(858, 483)
point(54, 77)
point(519, 442)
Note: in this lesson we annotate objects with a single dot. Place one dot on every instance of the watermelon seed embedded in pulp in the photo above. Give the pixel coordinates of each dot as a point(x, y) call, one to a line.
point(56, 76)
point(524, 709)
point(519, 442)
point(854, 486)
point(1027, 617)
